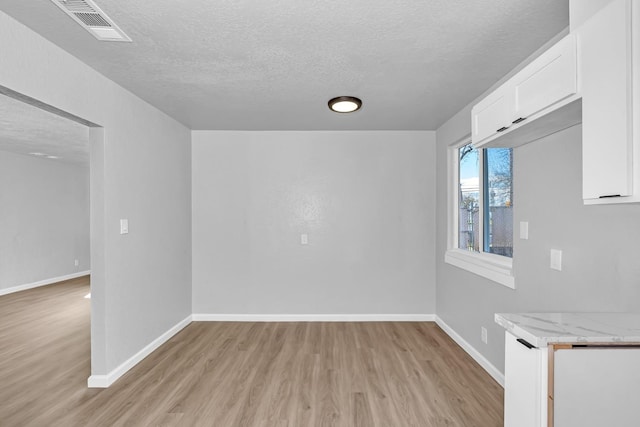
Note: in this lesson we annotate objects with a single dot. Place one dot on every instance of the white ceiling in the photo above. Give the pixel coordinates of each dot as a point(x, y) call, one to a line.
point(273, 65)
point(27, 129)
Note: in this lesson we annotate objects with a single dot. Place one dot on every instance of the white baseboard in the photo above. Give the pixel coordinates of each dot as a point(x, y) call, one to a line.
point(475, 354)
point(201, 317)
point(104, 381)
point(43, 282)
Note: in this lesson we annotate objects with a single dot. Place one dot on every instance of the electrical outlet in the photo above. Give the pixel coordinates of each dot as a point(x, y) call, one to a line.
point(124, 226)
point(76, 263)
point(304, 239)
point(483, 334)
point(556, 259)
point(524, 230)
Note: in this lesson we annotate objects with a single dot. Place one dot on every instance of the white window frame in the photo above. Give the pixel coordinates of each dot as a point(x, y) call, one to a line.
point(494, 267)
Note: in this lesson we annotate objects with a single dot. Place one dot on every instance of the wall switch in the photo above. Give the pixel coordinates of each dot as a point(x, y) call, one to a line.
point(483, 334)
point(556, 259)
point(524, 230)
point(304, 239)
point(124, 226)
point(76, 263)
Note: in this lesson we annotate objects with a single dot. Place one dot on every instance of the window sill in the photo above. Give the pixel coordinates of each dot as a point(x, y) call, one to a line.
point(492, 267)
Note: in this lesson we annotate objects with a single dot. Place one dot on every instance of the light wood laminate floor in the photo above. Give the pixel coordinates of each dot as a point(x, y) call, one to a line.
point(237, 374)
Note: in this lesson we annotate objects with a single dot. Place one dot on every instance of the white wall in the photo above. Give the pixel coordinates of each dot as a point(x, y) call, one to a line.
point(140, 170)
point(365, 199)
point(600, 247)
point(44, 219)
point(581, 10)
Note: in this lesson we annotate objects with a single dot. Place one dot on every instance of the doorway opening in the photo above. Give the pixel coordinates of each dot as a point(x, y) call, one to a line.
point(48, 244)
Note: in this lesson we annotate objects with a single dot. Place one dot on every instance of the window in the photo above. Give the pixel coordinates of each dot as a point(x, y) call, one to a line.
point(481, 211)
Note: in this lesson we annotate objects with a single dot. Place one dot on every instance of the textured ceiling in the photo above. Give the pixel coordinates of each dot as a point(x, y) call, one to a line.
point(273, 65)
point(27, 129)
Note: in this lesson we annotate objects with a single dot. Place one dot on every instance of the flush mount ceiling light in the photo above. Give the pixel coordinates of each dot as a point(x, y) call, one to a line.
point(345, 104)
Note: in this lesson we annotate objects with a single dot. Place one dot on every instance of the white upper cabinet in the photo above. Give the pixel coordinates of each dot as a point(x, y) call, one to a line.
point(489, 115)
point(545, 85)
point(549, 79)
point(592, 76)
point(606, 70)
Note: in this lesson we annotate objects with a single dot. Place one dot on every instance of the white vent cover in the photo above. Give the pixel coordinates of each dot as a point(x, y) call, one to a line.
point(93, 19)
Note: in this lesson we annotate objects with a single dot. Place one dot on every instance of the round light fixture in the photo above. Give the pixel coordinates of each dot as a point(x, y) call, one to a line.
point(345, 104)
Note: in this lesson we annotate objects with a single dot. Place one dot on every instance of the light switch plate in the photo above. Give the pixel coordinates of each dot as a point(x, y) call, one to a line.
point(556, 259)
point(124, 226)
point(304, 239)
point(524, 230)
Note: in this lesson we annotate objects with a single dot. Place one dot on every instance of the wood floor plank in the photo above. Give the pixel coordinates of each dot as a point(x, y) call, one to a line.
point(238, 374)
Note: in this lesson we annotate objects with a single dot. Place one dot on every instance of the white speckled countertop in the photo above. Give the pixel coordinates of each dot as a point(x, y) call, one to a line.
point(541, 329)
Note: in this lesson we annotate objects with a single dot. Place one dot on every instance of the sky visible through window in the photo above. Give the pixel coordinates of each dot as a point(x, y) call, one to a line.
point(499, 173)
point(468, 199)
point(469, 166)
point(498, 202)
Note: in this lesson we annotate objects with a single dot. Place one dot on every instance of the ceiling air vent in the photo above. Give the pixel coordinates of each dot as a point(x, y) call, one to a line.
point(93, 19)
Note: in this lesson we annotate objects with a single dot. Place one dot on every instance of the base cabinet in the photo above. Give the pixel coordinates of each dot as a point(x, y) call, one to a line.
point(525, 402)
point(596, 387)
point(571, 385)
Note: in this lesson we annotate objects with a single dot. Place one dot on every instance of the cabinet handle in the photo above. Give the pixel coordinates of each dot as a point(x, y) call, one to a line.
point(518, 120)
point(526, 344)
point(502, 129)
point(609, 196)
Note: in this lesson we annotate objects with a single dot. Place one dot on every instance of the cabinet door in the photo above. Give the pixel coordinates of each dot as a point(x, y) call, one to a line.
point(491, 115)
point(525, 385)
point(550, 78)
point(604, 45)
point(596, 387)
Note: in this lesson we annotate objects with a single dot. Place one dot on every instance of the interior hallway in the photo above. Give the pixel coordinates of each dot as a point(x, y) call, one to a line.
point(244, 374)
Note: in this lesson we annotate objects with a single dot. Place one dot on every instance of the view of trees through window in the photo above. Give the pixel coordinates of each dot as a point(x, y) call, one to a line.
point(491, 192)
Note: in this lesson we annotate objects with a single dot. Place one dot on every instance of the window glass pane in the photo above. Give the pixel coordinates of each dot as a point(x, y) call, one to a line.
point(468, 199)
point(498, 195)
